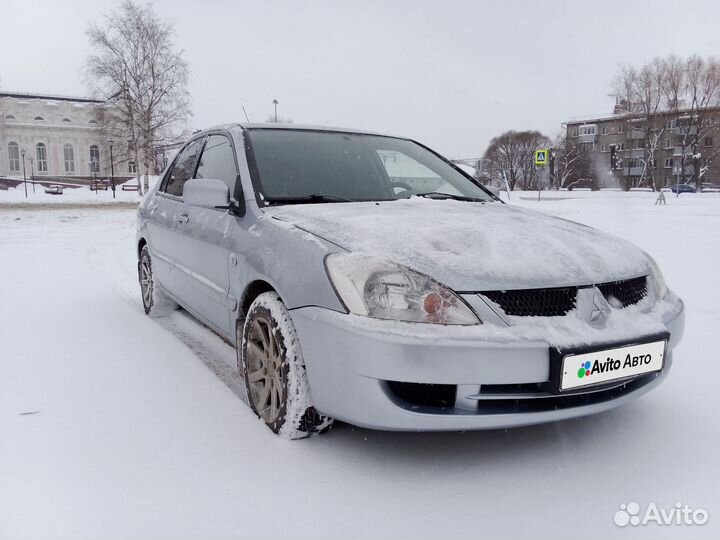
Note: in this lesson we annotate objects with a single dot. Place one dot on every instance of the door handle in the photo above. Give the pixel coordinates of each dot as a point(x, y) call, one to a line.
point(182, 218)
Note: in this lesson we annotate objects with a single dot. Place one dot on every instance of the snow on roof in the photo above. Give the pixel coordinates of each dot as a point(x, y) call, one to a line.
point(48, 97)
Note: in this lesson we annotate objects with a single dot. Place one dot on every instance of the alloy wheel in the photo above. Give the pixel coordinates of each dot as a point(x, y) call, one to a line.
point(264, 370)
point(146, 281)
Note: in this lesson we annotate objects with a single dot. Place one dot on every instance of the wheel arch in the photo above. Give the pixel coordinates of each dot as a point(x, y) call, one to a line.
point(253, 289)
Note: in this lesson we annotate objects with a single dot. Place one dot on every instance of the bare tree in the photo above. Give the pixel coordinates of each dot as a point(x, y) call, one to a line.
point(692, 95)
point(142, 79)
point(529, 142)
point(703, 95)
point(641, 93)
point(503, 159)
point(511, 156)
point(676, 98)
point(571, 164)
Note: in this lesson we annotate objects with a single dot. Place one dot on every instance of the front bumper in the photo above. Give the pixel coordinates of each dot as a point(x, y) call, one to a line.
point(365, 372)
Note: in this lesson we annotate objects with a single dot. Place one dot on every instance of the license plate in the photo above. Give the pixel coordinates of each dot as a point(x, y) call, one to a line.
point(597, 367)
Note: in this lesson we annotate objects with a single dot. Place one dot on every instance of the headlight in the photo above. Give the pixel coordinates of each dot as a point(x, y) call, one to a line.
point(385, 290)
point(660, 285)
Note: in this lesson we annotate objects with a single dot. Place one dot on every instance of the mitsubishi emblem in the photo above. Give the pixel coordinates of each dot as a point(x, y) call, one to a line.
point(601, 309)
point(592, 306)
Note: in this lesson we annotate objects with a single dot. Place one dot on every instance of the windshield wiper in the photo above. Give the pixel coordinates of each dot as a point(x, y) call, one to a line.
point(441, 195)
point(307, 199)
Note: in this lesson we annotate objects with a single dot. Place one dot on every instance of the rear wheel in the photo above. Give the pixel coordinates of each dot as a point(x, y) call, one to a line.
point(155, 302)
point(271, 362)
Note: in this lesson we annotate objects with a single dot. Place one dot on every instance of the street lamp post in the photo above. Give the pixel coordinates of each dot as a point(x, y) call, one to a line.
point(22, 153)
point(275, 102)
point(112, 167)
point(32, 173)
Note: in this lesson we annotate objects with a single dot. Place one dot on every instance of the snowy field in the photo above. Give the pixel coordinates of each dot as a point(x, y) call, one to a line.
point(113, 425)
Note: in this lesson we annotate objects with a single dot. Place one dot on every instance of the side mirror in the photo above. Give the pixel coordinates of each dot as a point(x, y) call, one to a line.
point(206, 192)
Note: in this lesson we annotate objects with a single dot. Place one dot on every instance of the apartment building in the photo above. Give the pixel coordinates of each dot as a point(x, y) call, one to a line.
point(676, 144)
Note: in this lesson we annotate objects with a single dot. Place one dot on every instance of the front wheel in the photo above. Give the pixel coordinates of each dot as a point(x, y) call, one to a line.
point(271, 362)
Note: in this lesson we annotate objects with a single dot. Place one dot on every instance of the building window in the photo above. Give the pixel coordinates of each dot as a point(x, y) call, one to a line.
point(39, 118)
point(604, 130)
point(668, 143)
point(69, 157)
point(587, 130)
point(668, 163)
point(620, 146)
point(94, 159)
point(573, 133)
point(603, 147)
point(621, 128)
point(14, 157)
point(708, 141)
point(41, 157)
point(132, 167)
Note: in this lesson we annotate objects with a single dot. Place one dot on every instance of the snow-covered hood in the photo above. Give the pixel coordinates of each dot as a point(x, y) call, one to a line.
point(472, 246)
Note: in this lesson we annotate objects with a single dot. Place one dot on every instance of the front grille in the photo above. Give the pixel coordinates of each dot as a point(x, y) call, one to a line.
point(624, 293)
point(558, 301)
point(535, 302)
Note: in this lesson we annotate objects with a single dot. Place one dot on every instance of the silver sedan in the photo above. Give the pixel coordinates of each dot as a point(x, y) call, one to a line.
point(365, 278)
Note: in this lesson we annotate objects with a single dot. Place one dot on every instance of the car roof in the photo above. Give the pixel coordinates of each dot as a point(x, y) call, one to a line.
point(299, 127)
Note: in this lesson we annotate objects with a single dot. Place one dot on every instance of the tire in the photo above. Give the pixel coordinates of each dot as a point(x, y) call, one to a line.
point(156, 302)
point(272, 365)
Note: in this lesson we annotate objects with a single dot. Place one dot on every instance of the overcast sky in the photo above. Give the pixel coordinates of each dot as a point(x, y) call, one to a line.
point(451, 74)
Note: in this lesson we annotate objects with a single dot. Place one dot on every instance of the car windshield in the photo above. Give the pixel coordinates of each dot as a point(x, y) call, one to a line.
point(294, 166)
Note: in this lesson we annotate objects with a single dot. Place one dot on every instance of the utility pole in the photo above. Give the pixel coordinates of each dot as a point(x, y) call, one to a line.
point(22, 153)
point(32, 173)
point(112, 167)
point(275, 102)
point(542, 160)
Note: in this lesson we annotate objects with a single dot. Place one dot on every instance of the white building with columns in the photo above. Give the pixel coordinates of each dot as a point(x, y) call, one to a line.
point(57, 137)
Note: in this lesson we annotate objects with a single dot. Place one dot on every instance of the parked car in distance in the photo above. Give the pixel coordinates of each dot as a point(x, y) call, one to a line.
point(54, 190)
point(365, 278)
point(683, 188)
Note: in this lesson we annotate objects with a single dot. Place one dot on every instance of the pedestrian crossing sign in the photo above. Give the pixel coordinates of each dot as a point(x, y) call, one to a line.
point(541, 157)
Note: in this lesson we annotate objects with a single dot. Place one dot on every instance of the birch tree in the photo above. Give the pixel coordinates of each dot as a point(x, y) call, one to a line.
point(571, 164)
point(641, 91)
point(676, 98)
point(142, 78)
point(702, 91)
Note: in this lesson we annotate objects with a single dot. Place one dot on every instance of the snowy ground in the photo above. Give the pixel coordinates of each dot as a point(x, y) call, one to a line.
point(70, 198)
point(116, 426)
